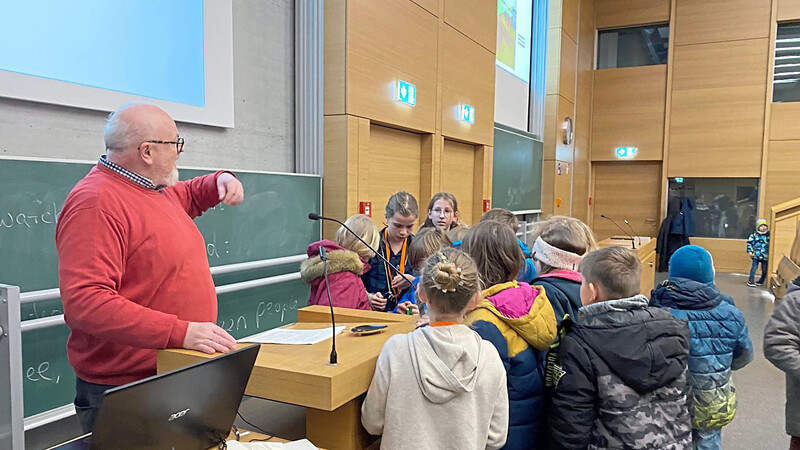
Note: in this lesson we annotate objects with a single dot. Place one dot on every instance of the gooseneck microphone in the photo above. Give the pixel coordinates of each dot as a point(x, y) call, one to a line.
point(323, 255)
point(633, 241)
point(638, 238)
point(315, 216)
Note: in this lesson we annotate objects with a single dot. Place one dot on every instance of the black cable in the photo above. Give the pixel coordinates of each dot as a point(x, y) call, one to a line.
point(271, 435)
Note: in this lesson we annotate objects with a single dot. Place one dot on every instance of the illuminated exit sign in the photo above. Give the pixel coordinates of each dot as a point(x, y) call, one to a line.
point(468, 114)
point(626, 152)
point(406, 93)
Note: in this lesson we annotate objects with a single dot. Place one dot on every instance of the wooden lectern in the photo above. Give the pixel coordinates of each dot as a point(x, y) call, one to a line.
point(646, 249)
point(300, 374)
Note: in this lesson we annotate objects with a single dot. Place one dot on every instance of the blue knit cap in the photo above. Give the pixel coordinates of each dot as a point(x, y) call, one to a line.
point(692, 262)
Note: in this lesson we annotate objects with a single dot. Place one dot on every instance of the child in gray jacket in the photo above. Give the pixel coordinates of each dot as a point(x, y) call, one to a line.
point(782, 349)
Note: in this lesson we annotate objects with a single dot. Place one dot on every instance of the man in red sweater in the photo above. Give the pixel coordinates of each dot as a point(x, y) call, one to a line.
point(132, 265)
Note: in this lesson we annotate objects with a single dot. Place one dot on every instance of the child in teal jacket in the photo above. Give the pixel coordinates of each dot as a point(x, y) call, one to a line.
point(758, 249)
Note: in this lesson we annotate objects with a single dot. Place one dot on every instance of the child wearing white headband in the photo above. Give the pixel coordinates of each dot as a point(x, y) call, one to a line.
point(557, 252)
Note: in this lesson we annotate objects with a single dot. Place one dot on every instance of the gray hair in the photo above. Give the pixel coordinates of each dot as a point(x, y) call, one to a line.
point(121, 133)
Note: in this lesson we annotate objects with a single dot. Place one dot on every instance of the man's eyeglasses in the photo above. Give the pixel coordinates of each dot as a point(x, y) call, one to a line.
point(178, 144)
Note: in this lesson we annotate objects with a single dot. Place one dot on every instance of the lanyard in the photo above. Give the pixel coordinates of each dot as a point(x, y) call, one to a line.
point(388, 258)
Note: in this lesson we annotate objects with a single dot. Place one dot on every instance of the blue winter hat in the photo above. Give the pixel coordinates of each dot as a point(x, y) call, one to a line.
point(692, 262)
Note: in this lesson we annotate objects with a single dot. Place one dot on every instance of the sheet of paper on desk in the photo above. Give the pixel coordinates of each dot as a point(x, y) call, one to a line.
point(291, 336)
point(303, 444)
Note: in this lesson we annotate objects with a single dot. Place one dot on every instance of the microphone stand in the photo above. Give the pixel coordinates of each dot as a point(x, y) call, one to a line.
point(638, 238)
point(323, 255)
point(633, 241)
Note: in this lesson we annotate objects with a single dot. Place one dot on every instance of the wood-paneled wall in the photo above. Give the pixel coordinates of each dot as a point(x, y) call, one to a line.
point(583, 111)
point(717, 121)
point(626, 13)
point(374, 145)
point(628, 111)
point(788, 10)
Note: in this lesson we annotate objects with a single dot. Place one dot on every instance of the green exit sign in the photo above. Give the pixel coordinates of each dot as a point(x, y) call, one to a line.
point(468, 114)
point(406, 93)
point(626, 152)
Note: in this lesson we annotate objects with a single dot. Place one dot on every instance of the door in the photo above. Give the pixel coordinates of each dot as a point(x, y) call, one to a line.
point(626, 191)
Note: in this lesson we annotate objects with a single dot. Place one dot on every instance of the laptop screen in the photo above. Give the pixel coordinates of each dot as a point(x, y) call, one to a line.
point(189, 408)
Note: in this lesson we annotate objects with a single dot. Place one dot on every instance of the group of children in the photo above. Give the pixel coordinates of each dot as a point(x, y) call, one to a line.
point(552, 347)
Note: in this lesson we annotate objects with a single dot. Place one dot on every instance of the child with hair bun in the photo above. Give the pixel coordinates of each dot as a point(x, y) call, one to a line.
point(457, 397)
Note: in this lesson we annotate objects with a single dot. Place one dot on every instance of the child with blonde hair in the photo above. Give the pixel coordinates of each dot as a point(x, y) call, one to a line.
point(557, 252)
point(518, 320)
point(384, 285)
point(457, 396)
point(347, 262)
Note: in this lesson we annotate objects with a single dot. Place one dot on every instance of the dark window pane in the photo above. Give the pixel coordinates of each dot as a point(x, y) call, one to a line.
point(629, 47)
point(724, 207)
point(786, 82)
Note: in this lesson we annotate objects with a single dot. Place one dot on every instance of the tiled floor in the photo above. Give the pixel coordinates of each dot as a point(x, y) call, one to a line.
point(759, 423)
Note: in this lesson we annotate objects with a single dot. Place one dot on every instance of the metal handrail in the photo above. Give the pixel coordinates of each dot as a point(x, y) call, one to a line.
point(55, 293)
point(46, 322)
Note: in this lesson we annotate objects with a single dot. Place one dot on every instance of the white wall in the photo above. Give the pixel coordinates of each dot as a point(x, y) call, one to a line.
point(263, 137)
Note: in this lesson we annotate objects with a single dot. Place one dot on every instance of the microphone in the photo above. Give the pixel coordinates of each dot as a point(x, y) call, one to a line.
point(638, 238)
point(633, 241)
point(315, 216)
point(323, 255)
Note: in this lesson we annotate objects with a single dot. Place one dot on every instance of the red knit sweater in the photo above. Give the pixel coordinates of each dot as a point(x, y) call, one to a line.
point(133, 272)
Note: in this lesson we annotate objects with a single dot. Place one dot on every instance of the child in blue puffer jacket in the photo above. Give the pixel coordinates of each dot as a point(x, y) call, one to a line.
point(758, 249)
point(719, 340)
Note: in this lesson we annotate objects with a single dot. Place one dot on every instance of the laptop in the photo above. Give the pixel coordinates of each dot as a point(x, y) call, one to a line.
point(189, 408)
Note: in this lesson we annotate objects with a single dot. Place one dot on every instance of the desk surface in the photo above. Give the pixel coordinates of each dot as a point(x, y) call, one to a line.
point(643, 249)
point(299, 374)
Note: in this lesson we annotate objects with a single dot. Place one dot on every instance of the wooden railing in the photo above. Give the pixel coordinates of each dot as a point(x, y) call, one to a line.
point(783, 225)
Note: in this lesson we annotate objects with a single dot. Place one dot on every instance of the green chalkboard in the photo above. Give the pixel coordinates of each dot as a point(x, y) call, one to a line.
point(517, 170)
point(272, 222)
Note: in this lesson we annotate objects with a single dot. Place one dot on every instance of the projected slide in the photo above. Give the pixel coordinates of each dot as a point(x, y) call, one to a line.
point(158, 54)
point(514, 37)
point(100, 54)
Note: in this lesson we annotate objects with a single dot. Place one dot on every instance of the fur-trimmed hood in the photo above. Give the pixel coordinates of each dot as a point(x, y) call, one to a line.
point(339, 260)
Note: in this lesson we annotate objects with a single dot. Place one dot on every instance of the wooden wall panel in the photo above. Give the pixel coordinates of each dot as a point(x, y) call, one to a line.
point(567, 67)
point(432, 6)
point(626, 190)
point(477, 19)
point(729, 254)
point(628, 111)
point(467, 77)
point(625, 13)
point(334, 56)
point(788, 10)
point(552, 71)
point(340, 186)
point(483, 179)
point(562, 188)
point(392, 152)
point(556, 109)
point(700, 22)
point(583, 112)
point(564, 14)
point(458, 167)
point(785, 121)
point(377, 59)
point(783, 166)
point(717, 113)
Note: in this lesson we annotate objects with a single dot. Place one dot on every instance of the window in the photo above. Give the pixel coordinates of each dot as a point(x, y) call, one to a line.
point(786, 81)
point(630, 47)
point(724, 207)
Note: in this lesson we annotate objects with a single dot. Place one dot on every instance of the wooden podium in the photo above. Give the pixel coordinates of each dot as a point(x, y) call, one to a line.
point(646, 249)
point(300, 374)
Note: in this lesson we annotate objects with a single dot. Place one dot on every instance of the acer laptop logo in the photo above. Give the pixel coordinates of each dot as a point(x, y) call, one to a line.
point(178, 415)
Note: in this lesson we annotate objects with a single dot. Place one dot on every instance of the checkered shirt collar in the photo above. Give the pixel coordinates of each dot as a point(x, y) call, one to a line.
point(135, 177)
